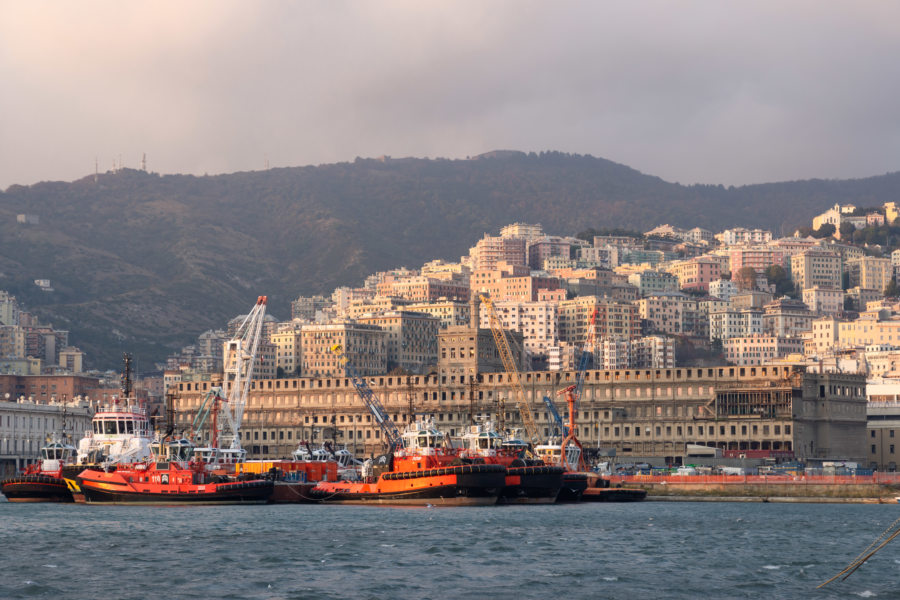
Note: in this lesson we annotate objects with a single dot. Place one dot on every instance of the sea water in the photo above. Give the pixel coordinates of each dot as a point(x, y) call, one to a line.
point(628, 551)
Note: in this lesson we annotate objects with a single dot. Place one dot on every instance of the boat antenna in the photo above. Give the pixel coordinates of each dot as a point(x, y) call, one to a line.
point(126, 377)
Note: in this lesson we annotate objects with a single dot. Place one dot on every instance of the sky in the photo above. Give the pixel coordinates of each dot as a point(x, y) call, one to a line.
point(695, 92)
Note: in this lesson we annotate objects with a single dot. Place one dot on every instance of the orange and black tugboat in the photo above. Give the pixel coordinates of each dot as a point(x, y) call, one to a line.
point(528, 481)
point(44, 481)
point(174, 476)
point(421, 470)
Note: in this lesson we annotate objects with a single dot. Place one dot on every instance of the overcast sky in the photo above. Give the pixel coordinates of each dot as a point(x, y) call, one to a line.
point(695, 92)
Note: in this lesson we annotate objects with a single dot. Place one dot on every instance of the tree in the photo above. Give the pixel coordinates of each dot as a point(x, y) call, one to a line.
point(891, 290)
point(745, 278)
point(824, 231)
point(847, 230)
point(783, 284)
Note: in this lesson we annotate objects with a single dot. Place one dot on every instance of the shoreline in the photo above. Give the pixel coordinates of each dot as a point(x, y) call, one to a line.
point(773, 499)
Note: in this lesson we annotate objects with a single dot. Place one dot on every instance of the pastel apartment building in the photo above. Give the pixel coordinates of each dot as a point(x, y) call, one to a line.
point(696, 273)
point(824, 301)
point(870, 272)
point(760, 349)
point(816, 267)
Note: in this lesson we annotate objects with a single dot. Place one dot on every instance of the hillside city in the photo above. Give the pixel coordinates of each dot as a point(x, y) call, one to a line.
point(823, 300)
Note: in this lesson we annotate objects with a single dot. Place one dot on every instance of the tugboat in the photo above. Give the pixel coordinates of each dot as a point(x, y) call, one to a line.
point(423, 470)
point(528, 481)
point(578, 482)
point(174, 476)
point(574, 477)
point(295, 479)
point(44, 481)
point(120, 433)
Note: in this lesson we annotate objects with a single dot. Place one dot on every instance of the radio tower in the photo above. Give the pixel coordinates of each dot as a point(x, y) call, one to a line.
point(96, 169)
point(144, 162)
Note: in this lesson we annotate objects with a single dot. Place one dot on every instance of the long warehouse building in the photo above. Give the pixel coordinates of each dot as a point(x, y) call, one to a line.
point(639, 413)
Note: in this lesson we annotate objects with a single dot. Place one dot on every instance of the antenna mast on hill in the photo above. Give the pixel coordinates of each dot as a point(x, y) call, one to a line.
point(144, 162)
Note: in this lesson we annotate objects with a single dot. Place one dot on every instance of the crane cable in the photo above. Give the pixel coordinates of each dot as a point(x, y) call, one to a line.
point(865, 554)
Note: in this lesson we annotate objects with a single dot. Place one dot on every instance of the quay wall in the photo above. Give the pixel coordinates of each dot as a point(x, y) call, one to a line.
point(885, 487)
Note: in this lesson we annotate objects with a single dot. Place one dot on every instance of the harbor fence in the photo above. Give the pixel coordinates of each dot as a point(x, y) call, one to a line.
point(875, 478)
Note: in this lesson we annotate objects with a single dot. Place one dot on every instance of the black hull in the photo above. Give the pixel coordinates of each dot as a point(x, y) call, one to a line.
point(614, 495)
point(250, 492)
point(537, 485)
point(479, 488)
point(286, 492)
point(573, 487)
point(36, 488)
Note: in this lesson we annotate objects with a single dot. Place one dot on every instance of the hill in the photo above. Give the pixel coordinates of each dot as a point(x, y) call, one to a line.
point(145, 263)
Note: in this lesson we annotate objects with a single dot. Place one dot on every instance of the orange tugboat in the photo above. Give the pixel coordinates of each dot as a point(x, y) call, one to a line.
point(44, 481)
point(421, 470)
point(420, 467)
point(174, 477)
point(527, 481)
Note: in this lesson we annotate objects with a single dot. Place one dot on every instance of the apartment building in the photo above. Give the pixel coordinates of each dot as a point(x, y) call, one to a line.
point(696, 273)
point(870, 272)
point(536, 321)
point(365, 347)
point(490, 251)
point(760, 349)
point(511, 282)
point(652, 282)
point(824, 301)
point(741, 235)
point(411, 341)
point(786, 317)
point(816, 267)
point(614, 319)
point(447, 312)
point(758, 258)
point(288, 351)
point(671, 313)
point(723, 288)
point(728, 324)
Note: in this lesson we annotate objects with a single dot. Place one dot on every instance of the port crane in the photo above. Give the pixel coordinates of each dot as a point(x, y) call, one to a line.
point(580, 376)
point(392, 435)
point(513, 372)
point(589, 343)
point(561, 427)
point(239, 357)
point(573, 395)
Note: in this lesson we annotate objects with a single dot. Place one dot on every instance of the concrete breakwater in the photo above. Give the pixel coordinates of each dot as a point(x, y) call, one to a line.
point(739, 487)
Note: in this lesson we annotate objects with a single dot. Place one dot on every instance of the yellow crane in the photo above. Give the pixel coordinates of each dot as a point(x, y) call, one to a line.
point(512, 370)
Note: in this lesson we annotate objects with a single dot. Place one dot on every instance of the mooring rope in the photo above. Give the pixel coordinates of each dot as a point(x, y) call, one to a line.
point(866, 554)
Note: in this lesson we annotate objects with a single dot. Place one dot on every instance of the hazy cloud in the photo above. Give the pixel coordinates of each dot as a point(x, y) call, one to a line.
point(691, 91)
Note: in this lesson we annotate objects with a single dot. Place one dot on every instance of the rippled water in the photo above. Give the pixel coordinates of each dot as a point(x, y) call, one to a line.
point(645, 550)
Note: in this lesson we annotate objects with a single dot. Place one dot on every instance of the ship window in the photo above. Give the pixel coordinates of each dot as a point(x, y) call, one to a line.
point(109, 427)
point(129, 426)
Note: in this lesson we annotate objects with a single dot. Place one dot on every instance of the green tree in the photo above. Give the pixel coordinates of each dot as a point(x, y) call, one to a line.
point(745, 278)
point(847, 230)
point(779, 278)
point(891, 290)
point(824, 231)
